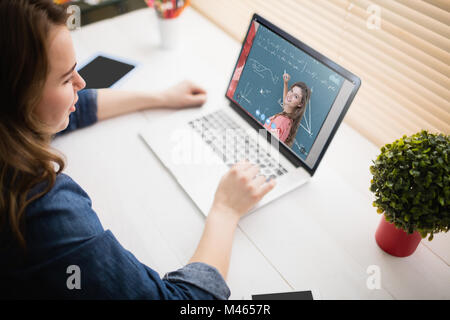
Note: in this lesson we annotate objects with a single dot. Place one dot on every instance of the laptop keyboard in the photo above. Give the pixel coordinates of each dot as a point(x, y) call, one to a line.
point(212, 128)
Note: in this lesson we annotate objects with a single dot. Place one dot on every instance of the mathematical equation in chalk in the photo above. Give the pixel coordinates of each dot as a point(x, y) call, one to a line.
point(295, 61)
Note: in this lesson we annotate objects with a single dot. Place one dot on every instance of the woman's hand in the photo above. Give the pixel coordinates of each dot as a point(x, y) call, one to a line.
point(240, 189)
point(286, 77)
point(183, 95)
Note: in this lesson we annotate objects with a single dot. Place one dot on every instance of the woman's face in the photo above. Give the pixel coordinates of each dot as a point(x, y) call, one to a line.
point(293, 99)
point(63, 81)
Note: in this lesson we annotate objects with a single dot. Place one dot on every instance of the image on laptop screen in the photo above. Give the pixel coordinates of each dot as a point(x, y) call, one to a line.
point(258, 86)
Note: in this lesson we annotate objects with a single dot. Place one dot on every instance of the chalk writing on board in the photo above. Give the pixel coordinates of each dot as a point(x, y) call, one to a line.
point(288, 58)
point(262, 70)
point(307, 119)
point(280, 102)
point(264, 92)
point(301, 147)
point(245, 93)
point(333, 78)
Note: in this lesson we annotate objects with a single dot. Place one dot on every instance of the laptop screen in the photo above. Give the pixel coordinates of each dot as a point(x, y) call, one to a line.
point(297, 97)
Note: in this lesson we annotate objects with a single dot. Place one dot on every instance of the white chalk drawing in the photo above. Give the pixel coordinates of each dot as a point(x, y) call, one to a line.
point(287, 57)
point(335, 79)
point(301, 148)
point(262, 70)
point(264, 92)
point(244, 94)
point(307, 120)
point(280, 102)
point(304, 66)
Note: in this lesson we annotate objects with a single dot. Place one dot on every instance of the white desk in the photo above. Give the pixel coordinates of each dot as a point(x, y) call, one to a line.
point(320, 236)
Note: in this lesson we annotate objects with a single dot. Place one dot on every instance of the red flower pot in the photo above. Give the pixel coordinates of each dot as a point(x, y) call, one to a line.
point(395, 241)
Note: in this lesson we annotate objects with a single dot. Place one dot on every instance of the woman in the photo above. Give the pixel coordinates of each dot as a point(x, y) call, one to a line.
point(286, 123)
point(47, 224)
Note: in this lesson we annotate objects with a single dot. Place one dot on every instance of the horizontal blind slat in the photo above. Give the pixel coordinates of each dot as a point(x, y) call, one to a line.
point(399, 10)
point(418, 105)
point(404, 117)
point(441, 4)
point(428, 9)
point(373, 129)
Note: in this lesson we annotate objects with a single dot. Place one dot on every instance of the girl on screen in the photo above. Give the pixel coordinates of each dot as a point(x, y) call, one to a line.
point(286, 123)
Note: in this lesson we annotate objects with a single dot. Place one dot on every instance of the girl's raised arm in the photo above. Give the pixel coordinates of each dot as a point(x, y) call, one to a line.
point(286, 78)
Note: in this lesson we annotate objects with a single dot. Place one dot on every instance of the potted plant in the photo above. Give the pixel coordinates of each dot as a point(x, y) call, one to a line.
point(411, 182)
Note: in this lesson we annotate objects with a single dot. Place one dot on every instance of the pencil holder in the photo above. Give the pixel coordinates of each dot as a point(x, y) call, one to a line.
point(169, 30)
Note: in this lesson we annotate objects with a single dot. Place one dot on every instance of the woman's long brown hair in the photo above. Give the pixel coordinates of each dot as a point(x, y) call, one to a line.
point(298, 113)
point(26, 157)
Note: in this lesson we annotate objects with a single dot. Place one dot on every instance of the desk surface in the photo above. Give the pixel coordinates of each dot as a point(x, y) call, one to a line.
point(297, 242)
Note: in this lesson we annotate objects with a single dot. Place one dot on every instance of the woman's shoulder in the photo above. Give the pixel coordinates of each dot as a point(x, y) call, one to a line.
point(57, 222)
point(64, 187)
point(66, 206)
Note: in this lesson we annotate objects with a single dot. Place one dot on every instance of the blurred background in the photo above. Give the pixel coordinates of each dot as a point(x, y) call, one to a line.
point(96, 10)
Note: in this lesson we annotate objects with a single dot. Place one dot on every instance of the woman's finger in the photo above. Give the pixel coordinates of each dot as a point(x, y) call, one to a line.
point(197, 99)
point(242, 165)
point(194, 89)
point(251, 171)
point(266, 187)
point(258, 180)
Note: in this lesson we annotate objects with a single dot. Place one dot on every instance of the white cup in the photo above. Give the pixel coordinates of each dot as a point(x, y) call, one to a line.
point(169, 30)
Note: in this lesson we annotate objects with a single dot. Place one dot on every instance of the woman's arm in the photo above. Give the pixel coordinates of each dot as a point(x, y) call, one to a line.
point(111, 102)
point(216, 242)
point(238, 191)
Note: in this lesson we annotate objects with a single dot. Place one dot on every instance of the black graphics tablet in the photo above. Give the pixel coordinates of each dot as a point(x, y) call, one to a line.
point(104, 72)
point(296, 295)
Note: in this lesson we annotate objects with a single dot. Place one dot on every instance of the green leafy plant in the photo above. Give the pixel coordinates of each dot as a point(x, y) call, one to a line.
point(411, 182)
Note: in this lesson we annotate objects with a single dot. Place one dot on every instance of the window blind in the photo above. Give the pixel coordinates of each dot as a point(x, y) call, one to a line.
point(399, 48)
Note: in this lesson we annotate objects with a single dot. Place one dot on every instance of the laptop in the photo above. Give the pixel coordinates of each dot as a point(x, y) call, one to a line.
point(259, 119)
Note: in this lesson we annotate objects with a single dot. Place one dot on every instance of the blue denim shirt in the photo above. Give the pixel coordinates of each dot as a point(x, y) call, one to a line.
point(70, 255)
